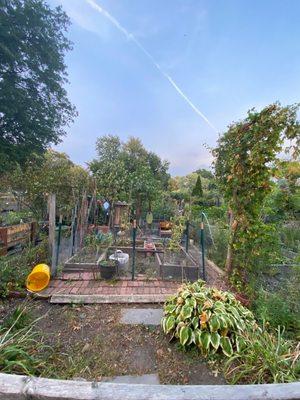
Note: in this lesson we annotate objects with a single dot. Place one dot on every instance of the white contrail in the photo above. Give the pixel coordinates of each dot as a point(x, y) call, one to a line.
point(131, 37)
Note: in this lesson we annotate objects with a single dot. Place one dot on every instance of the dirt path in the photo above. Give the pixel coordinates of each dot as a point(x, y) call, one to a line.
point(89, 342)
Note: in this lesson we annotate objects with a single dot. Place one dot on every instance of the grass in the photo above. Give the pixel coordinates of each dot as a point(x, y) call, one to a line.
point(267, 358)
point(20, 344)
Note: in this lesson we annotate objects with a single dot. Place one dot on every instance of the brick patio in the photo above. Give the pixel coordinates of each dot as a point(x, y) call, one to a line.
point(85, 284)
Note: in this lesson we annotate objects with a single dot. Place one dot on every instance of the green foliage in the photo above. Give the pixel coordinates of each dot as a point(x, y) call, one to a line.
point(19, 345)
point(178, 227)
point(127, 171)
point(94, 241)
point(266, 358)
point(281, 306)
point(207, 318)
point(34, 107)
point(197, 190)
point(14, 269)
point(15, 217)
point(55, 173)
point(244, 157)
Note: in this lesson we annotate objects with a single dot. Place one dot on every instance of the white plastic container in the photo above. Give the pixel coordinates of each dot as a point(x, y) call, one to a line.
point(121, 257)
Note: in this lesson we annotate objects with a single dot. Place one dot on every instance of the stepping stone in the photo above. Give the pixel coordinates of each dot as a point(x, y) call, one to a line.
point(143, 316)
point(148, 379)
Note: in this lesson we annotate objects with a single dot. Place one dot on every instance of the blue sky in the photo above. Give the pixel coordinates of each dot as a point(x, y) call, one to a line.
point(225, 55)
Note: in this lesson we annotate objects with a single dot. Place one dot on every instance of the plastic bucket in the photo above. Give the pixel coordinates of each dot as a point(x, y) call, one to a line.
point(121, 257)
point(39, 278)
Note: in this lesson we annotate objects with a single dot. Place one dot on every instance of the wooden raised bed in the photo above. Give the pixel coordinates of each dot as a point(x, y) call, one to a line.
point(72, 265)
point(21, 234)
point(187, 269)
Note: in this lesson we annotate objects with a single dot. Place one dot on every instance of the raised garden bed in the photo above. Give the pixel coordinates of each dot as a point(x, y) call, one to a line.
point(177, 266)
point(86, 260)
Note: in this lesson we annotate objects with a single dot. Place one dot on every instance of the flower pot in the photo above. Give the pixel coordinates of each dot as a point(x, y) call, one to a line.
point(108, 270)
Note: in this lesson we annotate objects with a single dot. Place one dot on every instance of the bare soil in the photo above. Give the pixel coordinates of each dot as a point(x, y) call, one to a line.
point(88, 342)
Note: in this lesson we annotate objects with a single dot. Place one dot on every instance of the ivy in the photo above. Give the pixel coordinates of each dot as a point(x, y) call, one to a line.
point(244, 159)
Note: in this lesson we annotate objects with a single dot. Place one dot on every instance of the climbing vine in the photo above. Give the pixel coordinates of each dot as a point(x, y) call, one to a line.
point(245, 156)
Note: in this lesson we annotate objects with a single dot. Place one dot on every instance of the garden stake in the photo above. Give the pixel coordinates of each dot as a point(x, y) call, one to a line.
point(58, 240)
point(133, 248)
point(202, 246)
point(73, 232)
point(187, 236)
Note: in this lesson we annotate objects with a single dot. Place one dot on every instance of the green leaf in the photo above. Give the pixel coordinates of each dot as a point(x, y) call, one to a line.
point(205, 340)
point(195, 322)
point(170, 308)
point(186, 312)
point(170, 323)
point(215, 340)
point(184, 335)
point(197, 334)
point(214, 323)
point(226, 346)
point(240, 343)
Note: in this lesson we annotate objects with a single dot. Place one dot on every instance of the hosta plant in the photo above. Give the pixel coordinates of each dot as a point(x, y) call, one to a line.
point(208, 318)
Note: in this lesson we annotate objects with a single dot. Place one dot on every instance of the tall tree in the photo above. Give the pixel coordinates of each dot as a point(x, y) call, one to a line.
point(34, 107)
point(197, 190)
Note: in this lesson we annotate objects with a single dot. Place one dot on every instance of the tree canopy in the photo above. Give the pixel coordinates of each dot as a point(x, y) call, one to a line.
point(127, 171)
point(34, 107)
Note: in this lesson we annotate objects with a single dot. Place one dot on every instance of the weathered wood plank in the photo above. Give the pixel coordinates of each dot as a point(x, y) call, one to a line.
point(14, 387)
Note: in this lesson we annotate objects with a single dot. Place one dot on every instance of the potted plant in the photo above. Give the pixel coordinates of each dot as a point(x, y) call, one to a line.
point(108, 269)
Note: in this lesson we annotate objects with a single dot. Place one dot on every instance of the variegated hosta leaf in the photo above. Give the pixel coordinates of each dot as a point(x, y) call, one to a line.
point(240, 343)
point(215, 340)
point(170, 308)
point(186, 312)
point(226, 346)
point(184, 335)
point(195, 322)
point(214, 323)
point(205, 340)
point(170, 323)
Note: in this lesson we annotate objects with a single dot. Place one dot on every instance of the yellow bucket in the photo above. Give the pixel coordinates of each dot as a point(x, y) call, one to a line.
point(39, 278)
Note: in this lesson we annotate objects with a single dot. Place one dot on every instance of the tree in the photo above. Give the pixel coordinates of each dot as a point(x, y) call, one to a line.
point(127, 171)
point(34, 107)
point(109, 169)
point(52, 172)
point(243, 167)
point(197, 190)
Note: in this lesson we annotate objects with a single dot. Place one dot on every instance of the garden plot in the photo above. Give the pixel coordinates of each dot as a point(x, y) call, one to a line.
point(90, 342)
point(86, 259)
point(177, 265)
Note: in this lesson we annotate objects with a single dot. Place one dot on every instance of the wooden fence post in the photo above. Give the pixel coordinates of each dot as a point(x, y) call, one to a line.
point(52, 214)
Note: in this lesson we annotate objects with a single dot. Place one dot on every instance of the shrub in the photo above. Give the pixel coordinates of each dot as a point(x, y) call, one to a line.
point(208, 318)
point(14, 269)
point(266, 358)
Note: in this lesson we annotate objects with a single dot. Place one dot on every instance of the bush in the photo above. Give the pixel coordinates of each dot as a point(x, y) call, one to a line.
point(14, 269)
point(266, 358)
point(207, 318)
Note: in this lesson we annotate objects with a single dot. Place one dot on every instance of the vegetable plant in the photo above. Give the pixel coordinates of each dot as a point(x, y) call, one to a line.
point(208, 318)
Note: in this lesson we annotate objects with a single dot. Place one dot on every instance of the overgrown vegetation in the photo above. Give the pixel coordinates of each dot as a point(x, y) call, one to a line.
point(266, 358)
point(21, 346)
point(14, 269)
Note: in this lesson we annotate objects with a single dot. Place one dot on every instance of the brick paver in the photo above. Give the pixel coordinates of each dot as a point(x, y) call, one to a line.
point(84, 283)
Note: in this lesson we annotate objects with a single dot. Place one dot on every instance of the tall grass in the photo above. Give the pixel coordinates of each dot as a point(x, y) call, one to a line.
point(21, 344)
point(266, 358)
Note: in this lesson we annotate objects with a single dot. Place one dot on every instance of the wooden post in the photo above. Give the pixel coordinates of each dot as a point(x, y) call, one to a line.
point(52, 213)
